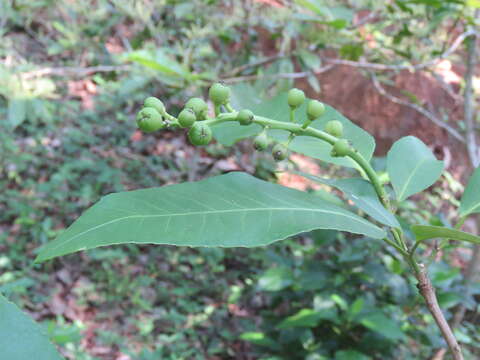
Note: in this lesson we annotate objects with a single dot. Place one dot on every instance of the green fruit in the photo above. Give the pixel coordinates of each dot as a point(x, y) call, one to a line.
point(261, 142)
point(245, 117)
point(334, 128)
point(155, 103)
point(200, 134)
point(296, 97)
point(186, 118)
point(340, 148)
point(149, 120)
point(315, 109)
point(198, 106)
point(219, 94)
point(279, 152)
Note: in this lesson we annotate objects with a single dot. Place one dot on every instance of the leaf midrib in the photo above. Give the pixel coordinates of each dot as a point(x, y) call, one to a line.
point(371, 203)
point(454, 234)
point(206, 213)
point(400, 196)
point(471, 210)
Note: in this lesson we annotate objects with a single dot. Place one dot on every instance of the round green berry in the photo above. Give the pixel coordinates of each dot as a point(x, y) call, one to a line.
point(198, 106)
point(296, 97)
point(149, 120)
point(155, 103)
point(186, 118)
point(279, 152)
point(315, 109)
point(340, 148)
point(334, 128)
point(260, 142)
point(200, 134)
point(219, 94)
point(245, 117)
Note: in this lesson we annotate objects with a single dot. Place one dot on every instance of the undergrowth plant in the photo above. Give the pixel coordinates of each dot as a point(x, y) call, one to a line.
point(239, 210)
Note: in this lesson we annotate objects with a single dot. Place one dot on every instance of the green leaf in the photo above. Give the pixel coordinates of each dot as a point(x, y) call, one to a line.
point(20, 337)
point(470, 202)
point(259, 338)
point(449, 299)
point(160, 62)
point(350, 355)
point(356, 307)
point(276, 279)
point(17, 112)
point(306, 318)
point(310, 60)
point(233, 210)
point(243, 97)
point(383, 325)
point(412, 167)
point(425, 232)
point(362, 194)
point(338, 24)
point(314, 83)
point(337, 299)
point(312, 5)
point(351, 51)
point(473, 3)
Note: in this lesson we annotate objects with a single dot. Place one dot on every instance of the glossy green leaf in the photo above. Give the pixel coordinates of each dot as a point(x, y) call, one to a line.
point(362, 194)
point(243, 96)
point(21, 338)
point(425, 232)
point(307, 318)
point(260, 339)
point(356, 307)
point(311, 5)
point(310, 60)
point(412, 167)
point(350, 355)
point(473, 3)
point(470, 202)
point(383, 325)
point(276, 279)
point(17, 111)
point(159, 61)
point(233, 210)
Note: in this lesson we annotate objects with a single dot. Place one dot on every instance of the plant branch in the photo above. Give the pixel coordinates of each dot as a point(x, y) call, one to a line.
point(366, 19)
point(294, 75)
point(426, 289)
point(399, 249)
point(230, 78)
point(447, 87)
point(260, 62)
point(429, 115)
point(75, 71)
point(372, 176)
point(469, 99)
point(474, 156)
point(381, 67)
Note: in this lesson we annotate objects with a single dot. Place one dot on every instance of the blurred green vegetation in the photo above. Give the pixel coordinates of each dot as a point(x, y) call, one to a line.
point(72, 75)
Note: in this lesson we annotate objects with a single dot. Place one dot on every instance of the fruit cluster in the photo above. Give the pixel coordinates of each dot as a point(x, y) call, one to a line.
point(194, 116)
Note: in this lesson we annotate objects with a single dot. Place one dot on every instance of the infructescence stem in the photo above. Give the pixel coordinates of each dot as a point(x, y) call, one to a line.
point(298, 130)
